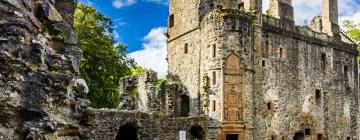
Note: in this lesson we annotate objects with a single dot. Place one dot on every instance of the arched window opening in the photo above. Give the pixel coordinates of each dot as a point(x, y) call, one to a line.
point(299, 136)
point(197, 132)
point(127, 131)
point(185, 106)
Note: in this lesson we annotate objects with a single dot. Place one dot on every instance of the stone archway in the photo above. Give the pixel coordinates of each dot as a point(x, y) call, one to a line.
point(299, 136)
point(128, 131)
point(197, 132)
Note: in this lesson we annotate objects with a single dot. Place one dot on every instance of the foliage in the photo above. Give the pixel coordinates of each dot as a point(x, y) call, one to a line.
point(353, 30)
point(137, 70)
point(103, 62)
point(159, 82)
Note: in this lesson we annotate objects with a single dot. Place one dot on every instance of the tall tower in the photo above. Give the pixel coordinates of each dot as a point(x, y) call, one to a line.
point(209, 53)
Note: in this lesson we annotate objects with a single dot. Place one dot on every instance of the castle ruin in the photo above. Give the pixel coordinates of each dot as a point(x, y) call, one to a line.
point(234, 74)
point(259, 76)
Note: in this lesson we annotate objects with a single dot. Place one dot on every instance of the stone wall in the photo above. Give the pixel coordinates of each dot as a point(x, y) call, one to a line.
point(105, 125)
point(41, 97)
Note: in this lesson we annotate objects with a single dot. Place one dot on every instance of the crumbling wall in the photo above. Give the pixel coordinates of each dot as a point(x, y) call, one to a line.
point(105, 124)
point(39, 62)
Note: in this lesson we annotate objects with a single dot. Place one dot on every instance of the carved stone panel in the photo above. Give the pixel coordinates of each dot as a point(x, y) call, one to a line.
point(232, 89)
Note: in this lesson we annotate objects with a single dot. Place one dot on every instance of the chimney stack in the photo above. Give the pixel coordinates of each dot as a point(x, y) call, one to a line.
point(330, 17)
point(282, 9)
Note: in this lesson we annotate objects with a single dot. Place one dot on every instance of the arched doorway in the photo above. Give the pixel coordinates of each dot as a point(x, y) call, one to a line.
point(127, 131)
point(185, 105)
point(299, 136)
point(197, 132)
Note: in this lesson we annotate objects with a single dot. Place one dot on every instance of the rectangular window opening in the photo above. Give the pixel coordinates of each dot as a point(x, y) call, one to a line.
point(171, 21)
point(263, 63)
point(319, 137)
point(281, 53)
point(214, 77)
point(214, 106)
point(186, 48)
point(307, 132)
point(323, 62)
point(214, 50)
point(241, 6)
point(318, 96)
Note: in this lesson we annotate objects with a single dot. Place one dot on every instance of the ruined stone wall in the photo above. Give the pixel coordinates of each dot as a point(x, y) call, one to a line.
point(104, 125)
point(39, 62)
point(185, 66)
point(289, 101)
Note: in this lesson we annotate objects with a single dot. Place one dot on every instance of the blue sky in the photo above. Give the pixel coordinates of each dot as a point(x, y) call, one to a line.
point(133, 21)
point(141, 24)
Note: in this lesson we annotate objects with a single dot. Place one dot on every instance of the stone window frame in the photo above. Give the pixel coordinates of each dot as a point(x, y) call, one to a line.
point(263, 63)
point(268, 47)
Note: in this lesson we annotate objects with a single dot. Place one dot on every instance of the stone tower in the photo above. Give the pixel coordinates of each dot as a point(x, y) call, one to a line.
point(259, 76)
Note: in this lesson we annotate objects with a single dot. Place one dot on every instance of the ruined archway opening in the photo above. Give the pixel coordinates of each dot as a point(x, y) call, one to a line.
point(299, 136)
point(197, 132)
point(127, 131)
point(185, 105)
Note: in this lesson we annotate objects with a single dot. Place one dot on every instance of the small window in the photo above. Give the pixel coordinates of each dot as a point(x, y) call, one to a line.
point(318, 96)
point(281, 53)
point(186, 48)
point(307, 132)
point(241, 6)
point(273, 137)
point(323, 62)
point(263, 63)
point(214, 105)
point(346, 73)
point(268, 47)
point(348, 138)
point(269, 106)
point(214, 77)
point(214, 50)
point(171, 21)
point(319, 137)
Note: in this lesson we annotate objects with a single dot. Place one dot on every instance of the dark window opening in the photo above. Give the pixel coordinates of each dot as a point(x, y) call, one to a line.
point(214, 105)
point(197, 132)
point(185, 106)
point(214, 77)
point(232, 136)
point(319, 137)
point(281, 53)
point(273, 137)
point(348, 138)
point(214, 50)
point(299, 136)
point(127, 132)
point(307, 132)
point(241, 6)
point(171, 21)
point(269, 106)
point(346, 72)
point(186, 48)
point(323, 62)
point(263, 63)
point(318, 96)
point(219, 7)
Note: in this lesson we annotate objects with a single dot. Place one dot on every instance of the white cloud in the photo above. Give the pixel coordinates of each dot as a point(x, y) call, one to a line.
point(153, 54)
point(123, 3)
point(305, 10)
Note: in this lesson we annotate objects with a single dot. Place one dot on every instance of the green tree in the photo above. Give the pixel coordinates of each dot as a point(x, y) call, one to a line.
point(353, 30)
point(137, 70)
point(103, 63)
